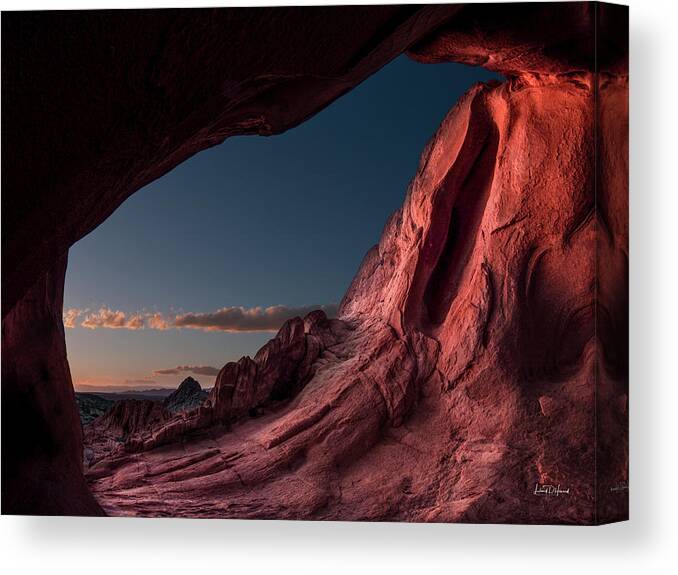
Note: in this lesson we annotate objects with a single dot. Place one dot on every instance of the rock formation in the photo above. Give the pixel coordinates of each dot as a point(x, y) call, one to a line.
point(187, 396)
point(115, 100)
point(41, 429)
point(481, 348)
point(131, 416)
point(127, 420)
point(278, 372)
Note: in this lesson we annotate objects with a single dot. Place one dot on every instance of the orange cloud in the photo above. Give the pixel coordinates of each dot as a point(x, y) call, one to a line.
point(157, 321)
point(228, 319)
point(70, 317)
point(113, 319)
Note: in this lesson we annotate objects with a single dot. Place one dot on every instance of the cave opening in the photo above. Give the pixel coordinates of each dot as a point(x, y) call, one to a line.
point(203, 265)
point(133, 106)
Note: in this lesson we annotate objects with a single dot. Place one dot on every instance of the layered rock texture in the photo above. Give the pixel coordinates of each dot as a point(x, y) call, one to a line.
point(480, 354)
point(245, 388)
point(126, 420)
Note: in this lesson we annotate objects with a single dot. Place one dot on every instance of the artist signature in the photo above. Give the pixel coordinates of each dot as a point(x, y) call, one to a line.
point(550, 490)
point(621, 486)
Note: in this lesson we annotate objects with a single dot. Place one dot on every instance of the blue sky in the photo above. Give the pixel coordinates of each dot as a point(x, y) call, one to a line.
point(255, 222)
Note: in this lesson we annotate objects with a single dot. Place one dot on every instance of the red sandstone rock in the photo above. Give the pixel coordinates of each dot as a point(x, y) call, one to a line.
point(130, 416)
point(474, 312)
point(278, 372)
point(468, 375)
point(41, 430)
point(127, 421)
point(96, 104)
point(465, 366)
point(524, 40)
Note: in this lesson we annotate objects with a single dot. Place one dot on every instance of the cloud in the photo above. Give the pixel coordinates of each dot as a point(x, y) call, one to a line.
point(240, 319)
point(113, 319)
point(228, 319)
point(196, 369)
point(71, 315)
point(157, 321)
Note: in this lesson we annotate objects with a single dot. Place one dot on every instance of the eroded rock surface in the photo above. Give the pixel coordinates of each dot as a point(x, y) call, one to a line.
point(125, 420)
point(466, 376)
point(242, 389)
point(96, 105)
point(41, 430)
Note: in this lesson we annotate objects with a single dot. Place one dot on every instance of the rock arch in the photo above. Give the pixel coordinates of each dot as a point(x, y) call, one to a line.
point(98, 104)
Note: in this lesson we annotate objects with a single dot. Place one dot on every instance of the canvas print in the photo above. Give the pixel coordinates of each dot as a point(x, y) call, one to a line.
point(355, 263)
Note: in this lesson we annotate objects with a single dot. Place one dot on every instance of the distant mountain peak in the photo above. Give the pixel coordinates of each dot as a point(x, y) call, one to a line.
point(189, 384)
point(187, 396)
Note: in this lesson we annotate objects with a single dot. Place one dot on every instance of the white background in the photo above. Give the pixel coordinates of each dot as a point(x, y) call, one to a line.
point(646, 544)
